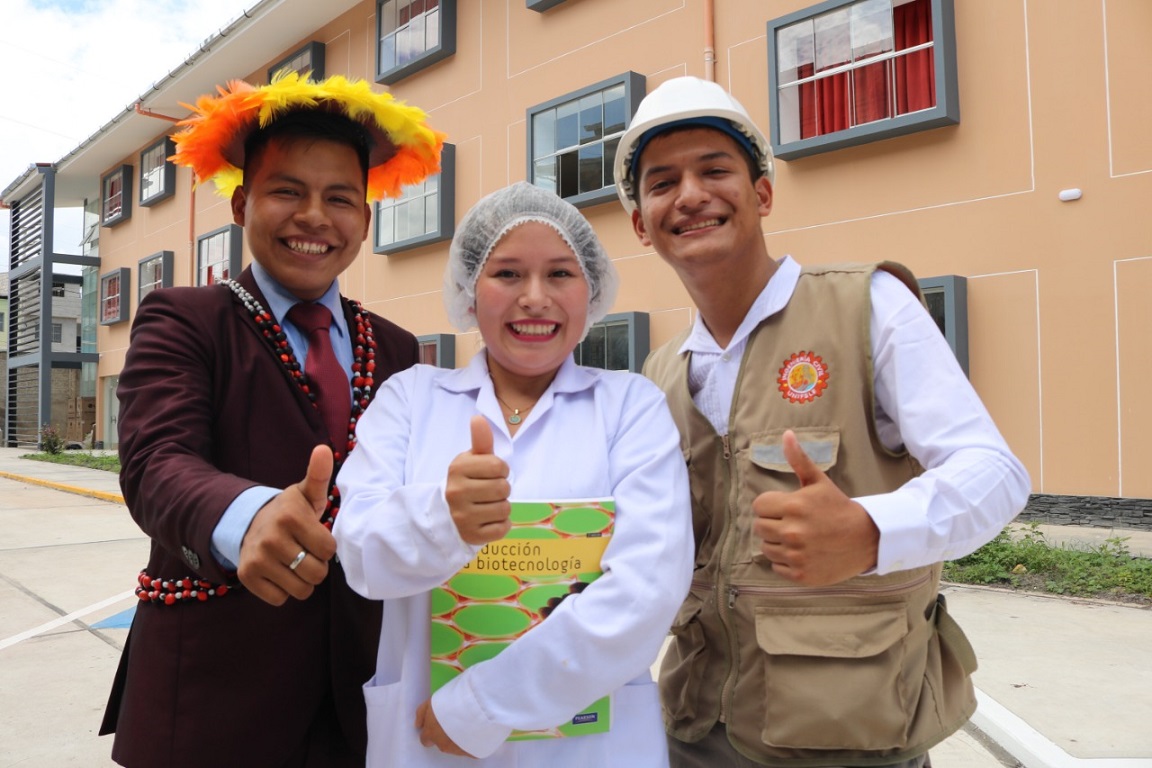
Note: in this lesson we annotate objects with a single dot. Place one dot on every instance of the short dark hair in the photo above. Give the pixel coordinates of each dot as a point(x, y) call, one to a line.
point(314, 124)
point(753, 162)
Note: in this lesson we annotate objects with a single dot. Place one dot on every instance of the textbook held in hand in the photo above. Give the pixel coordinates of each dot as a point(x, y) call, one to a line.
point(552, 552)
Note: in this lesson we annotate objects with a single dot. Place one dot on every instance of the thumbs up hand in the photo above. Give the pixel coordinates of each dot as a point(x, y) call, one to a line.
point(815, 535)
point(288, 525)
point(477, 489)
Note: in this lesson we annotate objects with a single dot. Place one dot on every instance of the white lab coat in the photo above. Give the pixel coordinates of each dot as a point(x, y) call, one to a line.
point(592, 434)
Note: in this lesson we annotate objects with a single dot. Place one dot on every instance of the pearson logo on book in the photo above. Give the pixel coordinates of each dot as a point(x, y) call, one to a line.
point(553, 551)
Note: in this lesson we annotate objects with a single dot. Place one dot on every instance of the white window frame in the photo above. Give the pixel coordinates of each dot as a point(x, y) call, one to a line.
point(557, 159)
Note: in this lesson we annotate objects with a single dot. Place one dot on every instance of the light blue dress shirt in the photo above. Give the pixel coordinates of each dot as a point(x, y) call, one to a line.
point(230, 531)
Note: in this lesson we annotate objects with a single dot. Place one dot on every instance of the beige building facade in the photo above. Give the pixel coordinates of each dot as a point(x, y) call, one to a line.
point(1020, 187)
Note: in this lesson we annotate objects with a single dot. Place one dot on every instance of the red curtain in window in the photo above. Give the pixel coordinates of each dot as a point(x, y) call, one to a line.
point(916, 72)
point(824, 104)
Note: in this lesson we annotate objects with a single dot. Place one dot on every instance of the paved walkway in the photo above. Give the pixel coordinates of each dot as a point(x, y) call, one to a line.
point(1063, 683)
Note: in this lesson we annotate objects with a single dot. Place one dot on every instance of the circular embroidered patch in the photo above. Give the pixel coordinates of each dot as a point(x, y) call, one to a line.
point(803, 378)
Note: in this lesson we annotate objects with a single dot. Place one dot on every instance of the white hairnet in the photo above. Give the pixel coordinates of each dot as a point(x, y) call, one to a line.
point(494, 216)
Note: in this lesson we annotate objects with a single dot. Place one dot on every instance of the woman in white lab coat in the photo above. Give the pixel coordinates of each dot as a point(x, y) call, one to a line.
point(440, 454)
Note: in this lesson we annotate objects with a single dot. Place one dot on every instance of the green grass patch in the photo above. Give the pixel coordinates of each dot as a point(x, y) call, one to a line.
point(109, 462)
point(1026, 560)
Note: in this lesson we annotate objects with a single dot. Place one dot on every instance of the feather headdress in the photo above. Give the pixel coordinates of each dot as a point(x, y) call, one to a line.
point(211, 142)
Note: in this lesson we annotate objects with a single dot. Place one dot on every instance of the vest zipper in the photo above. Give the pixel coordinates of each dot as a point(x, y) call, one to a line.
point(736, 590)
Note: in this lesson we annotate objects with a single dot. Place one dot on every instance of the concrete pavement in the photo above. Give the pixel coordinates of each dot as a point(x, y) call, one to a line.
point(1062, 683)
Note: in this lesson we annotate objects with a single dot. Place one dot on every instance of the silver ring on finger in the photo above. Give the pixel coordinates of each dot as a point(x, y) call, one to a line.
point(297, 560)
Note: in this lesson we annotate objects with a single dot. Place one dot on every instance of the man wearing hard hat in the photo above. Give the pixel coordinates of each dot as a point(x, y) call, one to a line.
point(837, 455)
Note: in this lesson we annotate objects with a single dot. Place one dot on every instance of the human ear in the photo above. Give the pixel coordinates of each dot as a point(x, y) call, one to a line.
point(639, 228)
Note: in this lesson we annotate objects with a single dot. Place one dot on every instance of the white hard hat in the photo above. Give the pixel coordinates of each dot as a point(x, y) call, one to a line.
point(687, 101)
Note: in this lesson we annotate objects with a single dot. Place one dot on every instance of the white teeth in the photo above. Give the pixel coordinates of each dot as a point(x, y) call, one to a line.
point(534, 329)
point(700, 225)
point(305, 247)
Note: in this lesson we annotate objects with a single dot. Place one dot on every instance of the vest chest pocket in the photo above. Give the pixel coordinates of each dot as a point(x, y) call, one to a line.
point(838, 677)
point(762, 466)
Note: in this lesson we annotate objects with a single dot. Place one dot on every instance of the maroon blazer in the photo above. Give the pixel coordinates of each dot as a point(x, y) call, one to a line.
point(206, 412)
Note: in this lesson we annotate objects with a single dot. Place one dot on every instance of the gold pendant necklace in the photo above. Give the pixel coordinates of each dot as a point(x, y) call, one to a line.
point(515, 418)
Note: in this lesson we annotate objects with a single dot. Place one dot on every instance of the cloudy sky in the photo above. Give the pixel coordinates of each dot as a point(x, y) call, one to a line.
point(72, 65)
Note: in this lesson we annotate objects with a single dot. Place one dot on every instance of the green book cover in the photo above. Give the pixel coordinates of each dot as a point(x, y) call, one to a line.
point(552, 551)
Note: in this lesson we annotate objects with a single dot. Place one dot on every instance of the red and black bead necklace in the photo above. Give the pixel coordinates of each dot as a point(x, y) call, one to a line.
point(190, 588)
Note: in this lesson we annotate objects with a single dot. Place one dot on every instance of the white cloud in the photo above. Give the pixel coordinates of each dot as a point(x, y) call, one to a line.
point(72, 66)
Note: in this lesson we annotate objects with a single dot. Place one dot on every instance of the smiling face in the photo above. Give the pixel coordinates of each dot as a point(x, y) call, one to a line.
point(303, 212)
point(531, 303)
point(698, 204)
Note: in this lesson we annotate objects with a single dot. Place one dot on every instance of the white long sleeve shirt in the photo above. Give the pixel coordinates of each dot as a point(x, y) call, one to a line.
point(972, 485)
point(592, 434)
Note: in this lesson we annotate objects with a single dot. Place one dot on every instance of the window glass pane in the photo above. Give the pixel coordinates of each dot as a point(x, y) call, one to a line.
point(569, 181)
point(567, 125)
point(615, 110)
point(544, 174)
point(416, 40)
point(433, 30)
point(388, 52)
point(432, 213)
point(915, 81)
point(591, 118)
point(544, 133)
point(789, 107)
point(870, 92)
point(402, 232)
point(385, 227)
point(387, 11)
point(795, 53)
point(935, 302)
point(428, 351)
point(871, 28)
point(610, 147)
point(592, 348)
point(833, 46)
point(416, 217)
point(616, 355)
point(432, 183)
point(591, 167)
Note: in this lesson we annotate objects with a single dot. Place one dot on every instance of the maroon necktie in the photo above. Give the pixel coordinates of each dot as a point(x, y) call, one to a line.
point(326, 378)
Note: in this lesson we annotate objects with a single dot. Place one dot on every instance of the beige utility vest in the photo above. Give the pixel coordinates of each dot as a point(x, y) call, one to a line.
point(869, 671)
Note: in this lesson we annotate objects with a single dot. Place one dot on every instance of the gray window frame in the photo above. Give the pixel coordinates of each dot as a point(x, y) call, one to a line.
point(446, 47)
point(125, 213)
point(166, 259)
point(541, 5)
point(167, 173)
point(315, 51)
point(634, 91)
point(954, 290)
point(946, 112)
point(125, 276)
point(445, 211)
point(638, 334)
point(445, 348)
point(235, 252)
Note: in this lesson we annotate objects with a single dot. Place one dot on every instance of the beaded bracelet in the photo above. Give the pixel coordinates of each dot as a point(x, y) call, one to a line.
point(172, 591)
